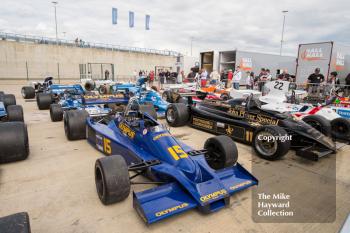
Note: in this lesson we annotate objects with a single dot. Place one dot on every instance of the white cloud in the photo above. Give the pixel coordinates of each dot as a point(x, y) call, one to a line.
point(222, 24)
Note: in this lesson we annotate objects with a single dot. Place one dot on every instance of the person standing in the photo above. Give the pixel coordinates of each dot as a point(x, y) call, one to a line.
point(250, 81)
point(106, 75)
point(229, 79)
point(315, 79)
point(203, 76)
point(151, 78)
point(161, 79)
point(214, 77)
point(237, 76)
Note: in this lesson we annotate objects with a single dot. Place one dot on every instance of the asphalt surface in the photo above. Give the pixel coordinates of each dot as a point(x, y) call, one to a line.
point(56, 186)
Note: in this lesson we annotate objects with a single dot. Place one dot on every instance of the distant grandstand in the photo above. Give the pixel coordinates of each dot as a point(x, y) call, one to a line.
point(84, 44)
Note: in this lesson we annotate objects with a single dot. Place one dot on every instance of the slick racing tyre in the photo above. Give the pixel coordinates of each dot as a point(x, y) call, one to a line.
point(44, 100)
point(15, 113)
point(221, 152)
point(14, 145)
point(341, 128)
point(166, 96)
point(177, 115)
point(90, 85)
point(112, 179)
point(104, 89)
point(56, 112)
point(75, 124)
point(149, 109)
point(9, 99)
point(15, 223)
point(270, 149)
point(320, 123)
point(28, 92)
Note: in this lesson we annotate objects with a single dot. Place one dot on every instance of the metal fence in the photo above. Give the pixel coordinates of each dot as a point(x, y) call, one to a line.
point(82, 44)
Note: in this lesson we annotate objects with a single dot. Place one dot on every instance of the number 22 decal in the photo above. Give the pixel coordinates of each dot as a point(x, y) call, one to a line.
point(177, 153)
point(278, 85)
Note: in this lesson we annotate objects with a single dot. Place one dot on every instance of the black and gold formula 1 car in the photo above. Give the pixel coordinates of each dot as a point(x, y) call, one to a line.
point(270, 133)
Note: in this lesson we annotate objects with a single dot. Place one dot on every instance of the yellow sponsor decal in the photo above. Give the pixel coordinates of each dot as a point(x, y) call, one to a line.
point(126, 130)
point(155, 138)
point(213, 195)
point(249, 136)
point(202, 123)
point(229, 130)
point(266, 120)
point(240, 185)
point(103, 96)
point(236, 112)
point(177, 152)
point(172, 209)
point(107, 146)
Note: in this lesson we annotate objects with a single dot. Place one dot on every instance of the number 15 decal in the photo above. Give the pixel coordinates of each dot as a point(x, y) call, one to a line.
point(107, 146)
point(177, 153)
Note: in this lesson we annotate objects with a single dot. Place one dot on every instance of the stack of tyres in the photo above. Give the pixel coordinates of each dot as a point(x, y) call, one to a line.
point(14, 145)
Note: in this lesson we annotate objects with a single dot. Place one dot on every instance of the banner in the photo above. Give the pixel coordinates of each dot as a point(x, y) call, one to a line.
point(114, 15)
point(131, 19)
point(148, 18)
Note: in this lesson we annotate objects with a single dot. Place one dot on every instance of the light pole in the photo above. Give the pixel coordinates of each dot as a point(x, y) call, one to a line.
point(191, 44)
point(54, 5)
point(284, 21)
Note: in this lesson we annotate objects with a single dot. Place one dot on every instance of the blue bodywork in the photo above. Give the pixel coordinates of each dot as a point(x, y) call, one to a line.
point(189, 182)
point(74, 97)
point(144, 96)
point(3, 112)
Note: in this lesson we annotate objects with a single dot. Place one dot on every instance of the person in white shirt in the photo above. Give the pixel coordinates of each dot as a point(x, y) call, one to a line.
point(249, 82)
point(237, 78)
point(204, 76)
point(214, 77)
point(268, 75)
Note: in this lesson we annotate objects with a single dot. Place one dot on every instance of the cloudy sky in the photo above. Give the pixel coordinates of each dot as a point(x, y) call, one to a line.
point(250, 25)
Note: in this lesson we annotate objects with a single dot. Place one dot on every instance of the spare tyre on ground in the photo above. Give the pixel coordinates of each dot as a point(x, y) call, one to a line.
point(15, 223)
point(14, 144)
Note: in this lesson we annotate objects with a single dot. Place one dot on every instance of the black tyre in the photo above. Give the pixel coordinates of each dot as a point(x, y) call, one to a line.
point(112, 179)
point(90, 85)
point(15, 223)
point(341, 128)
point(75, 124)
point(273, 149)
point(15, 113)
point(167, 96)
point(14, 144)
point(2, 94)
point(177, 115)
point(44, 100)
point(9, 99)
point(149, 109)
point(28, 92)
point(56, 112)
point(183, 100)
point(320, 123)
point(222, 152)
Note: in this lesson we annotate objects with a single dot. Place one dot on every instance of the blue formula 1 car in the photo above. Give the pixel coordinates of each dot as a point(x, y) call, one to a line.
point(93, 104)
point(144, 95)
point(135, 142)
point(53, 94)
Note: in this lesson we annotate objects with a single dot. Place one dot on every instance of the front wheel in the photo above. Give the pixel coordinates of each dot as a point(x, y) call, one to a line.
point(112, 179)
point(271, 142)
point(221, 152)
point(320, 123)
point(177, 115)
point(75, 124)
point(341, 128)
point(56, 112)
point(44, 100)
point(28, 92)
point(15, 113)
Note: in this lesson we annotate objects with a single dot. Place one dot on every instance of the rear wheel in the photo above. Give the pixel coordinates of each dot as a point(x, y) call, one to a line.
point(221, 152)
point(112, 179)
point(15, 113)
point(75, 124)
point(56, 112)
point(104, 89)
point(9, 99)
point(177, 115)
point(341, 128)
point(28, 92)
point(14, 145)
point(267, 146)
point(44, 100)
point(320, 123)
point(89, 85)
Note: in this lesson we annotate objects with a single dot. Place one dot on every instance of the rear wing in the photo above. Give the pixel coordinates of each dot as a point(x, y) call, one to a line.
point(119, 98)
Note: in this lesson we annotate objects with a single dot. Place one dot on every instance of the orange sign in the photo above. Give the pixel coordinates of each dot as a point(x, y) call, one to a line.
point(313, 54)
